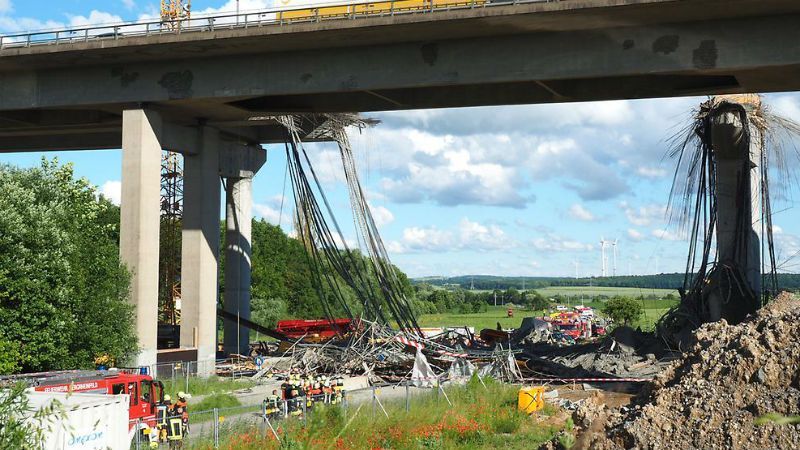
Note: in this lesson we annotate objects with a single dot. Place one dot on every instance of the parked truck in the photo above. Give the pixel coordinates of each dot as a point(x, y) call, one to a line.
point(83, 421)
point(142, 392)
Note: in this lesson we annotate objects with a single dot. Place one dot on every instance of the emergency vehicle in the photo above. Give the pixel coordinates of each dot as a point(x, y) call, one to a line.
point(144, 392)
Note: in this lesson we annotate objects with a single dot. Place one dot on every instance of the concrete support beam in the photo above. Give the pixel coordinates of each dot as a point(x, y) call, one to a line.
point(200, 249)
point(139, 222)
point(238, 225)
point(737, 158)
point(238, 164)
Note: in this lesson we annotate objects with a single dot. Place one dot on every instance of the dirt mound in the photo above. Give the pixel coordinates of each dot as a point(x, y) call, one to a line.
point(711, 397)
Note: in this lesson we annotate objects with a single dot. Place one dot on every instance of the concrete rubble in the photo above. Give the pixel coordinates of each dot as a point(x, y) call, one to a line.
point(713, 397)
point(623, 354)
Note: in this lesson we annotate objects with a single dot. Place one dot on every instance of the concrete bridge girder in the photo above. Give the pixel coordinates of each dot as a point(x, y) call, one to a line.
point(629, 62)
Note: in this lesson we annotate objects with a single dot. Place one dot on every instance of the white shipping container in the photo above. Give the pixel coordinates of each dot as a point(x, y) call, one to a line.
point(85, 421)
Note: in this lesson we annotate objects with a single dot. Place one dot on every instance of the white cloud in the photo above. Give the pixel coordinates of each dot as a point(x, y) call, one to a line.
point(667, 235)
point(381, 215)
point(469, 236)
point(646, 215)
point(578, 212)
point(476, 236)
point(6, 6)
point(129, 4)
point(112, 190)
point(267, 212)
point(416, 238)
point(446, 170)
point(271, 209)
point(635, 235)
point(651, 172)
point(94, 18)
point(394, 247)
point(555, 243)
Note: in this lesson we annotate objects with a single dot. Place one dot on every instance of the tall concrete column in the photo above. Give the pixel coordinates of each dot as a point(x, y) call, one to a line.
point(139, 223)
point(737, 158)
point(238, 164)
point(238, 225)
point(200, 250)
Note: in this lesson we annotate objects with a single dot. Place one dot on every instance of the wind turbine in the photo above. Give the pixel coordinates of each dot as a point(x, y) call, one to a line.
point(576, 268)
point(602, 256)
point(614, 269)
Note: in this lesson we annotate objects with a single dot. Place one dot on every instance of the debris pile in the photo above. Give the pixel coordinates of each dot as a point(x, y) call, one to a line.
point(624, 353)
point(732, 379)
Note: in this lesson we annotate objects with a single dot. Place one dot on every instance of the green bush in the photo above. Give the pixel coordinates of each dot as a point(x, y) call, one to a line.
point(566, 440)
point(623, 310)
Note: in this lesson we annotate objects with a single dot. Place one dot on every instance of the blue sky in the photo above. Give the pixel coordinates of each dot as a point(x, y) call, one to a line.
point(523, 190)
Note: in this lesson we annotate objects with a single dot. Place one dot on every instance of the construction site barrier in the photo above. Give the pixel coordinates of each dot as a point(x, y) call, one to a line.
point(586, 380)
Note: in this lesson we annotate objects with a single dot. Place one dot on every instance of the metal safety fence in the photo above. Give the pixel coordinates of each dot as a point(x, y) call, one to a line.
point(266, 17)
point(213, 426)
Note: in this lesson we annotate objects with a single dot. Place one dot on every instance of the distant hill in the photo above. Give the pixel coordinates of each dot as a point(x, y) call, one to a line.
point(660, 281)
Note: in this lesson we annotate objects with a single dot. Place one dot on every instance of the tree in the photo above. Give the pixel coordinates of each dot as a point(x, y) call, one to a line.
point(20, 425)
point(268, 312)
point(537, 301)
point(623, 310)
point(63, 291)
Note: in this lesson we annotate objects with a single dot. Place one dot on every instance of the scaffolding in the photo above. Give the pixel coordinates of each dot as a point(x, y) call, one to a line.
point(173, 12)
point(169, 286)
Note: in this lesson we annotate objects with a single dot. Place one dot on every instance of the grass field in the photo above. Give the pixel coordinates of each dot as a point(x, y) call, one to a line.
point(591, 291)
point(480, 321)
point(479, 418)
point(653, 310)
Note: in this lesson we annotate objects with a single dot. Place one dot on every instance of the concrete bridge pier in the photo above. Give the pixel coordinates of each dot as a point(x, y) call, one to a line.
point(238, 165)
point(139, 222)
point(737, 144)
point(200, 250)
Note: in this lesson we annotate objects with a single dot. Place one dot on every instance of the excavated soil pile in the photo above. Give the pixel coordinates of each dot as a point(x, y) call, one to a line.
point(710, 398)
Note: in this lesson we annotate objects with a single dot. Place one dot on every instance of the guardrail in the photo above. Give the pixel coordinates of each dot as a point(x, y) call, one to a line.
point(261, 18)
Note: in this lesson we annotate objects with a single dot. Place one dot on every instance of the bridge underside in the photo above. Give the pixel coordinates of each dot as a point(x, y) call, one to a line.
point(73, 95)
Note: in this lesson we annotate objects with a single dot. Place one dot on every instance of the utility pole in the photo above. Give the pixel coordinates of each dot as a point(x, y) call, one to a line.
point(237, 12)
point(495, 298)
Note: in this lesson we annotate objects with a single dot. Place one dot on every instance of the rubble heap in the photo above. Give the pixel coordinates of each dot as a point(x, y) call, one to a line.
point(624, 353)
point(713, 397)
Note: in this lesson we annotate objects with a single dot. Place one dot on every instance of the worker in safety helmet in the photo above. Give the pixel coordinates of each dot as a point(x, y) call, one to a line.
point(327, 389)
point(272, 405)
point(175, 430)
point(183, 406)
point(163, 411)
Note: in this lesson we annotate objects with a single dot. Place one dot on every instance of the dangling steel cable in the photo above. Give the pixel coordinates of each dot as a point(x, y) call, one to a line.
point(325, 252)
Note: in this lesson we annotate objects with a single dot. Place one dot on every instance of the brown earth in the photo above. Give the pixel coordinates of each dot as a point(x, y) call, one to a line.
point(710, 398)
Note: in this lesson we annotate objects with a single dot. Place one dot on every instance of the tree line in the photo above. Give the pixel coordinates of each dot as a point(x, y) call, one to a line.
point(786, 281)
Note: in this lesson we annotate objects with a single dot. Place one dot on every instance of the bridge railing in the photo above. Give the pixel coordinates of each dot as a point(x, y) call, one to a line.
point(250, 19)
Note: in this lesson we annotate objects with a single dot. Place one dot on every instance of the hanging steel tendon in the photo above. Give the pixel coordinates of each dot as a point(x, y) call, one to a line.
point(721, 195)
point(324, 250)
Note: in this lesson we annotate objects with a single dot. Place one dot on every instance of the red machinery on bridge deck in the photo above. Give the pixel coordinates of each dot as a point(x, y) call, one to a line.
point(316, 329)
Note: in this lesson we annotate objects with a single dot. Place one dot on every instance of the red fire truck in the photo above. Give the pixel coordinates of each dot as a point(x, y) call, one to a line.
point(145, 392)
